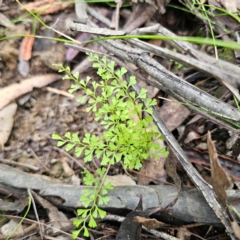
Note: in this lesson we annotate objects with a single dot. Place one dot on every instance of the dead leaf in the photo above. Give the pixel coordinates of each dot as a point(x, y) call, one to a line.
point(236, 229)
point(230, 5)
point(192, 135)
point(75, 180)
point(26, 46)
point(184, 234)
point(172, 172)
point(120, 180)
point(153, 168)
point(58, 219)
point(150, 223)
point(6, 122)
point(151, 91)
point(9, 93)
point(8, 228)
point(220, 180)
point(4, 21)
point(55, 54)
point(6, 205)
point(9, 54)
point(202, 158)
point(47, 6)
point(66, 168)
point(173, 114)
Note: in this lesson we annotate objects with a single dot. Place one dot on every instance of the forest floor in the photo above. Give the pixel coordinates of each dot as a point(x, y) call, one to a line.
point(35, 103)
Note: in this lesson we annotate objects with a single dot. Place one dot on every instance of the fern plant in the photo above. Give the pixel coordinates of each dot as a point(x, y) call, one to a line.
point(129, 136)
point(95, 196)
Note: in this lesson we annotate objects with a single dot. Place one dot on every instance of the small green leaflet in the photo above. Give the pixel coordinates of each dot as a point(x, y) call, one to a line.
point(83, 212)
point(86, 139)
point(88, 155)
point(79, 150)
point(76, 233)
point(86, 232)
point(132, 80)
point(92, 223)
point(55, 136)
point(96, 65)
point(69, 146)
point(143, 93)
point(101, 171)
point(68, 135)
point(60, 143)
point(81, 99)
point(66, 77)
point(111, 65)
point(101, 213)
point(104, 60)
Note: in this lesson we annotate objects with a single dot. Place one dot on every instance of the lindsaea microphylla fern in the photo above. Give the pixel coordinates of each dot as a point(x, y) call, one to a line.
point(128, 136)
point(94, 196)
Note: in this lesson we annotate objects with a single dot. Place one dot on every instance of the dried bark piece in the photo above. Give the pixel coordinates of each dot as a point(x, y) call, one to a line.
point(173, 113)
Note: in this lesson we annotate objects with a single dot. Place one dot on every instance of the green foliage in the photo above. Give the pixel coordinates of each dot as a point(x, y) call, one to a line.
point(93, 196)
point(128, 136)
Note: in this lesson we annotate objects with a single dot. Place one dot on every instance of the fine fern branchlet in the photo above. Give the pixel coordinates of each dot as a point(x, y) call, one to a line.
point(129, 135)
point(95, 196)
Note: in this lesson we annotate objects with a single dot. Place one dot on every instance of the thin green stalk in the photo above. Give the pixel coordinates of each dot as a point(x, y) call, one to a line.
point(232, 208)
point(198, 40)
point(211, 29)
point(26, 213)
point(234, 16)
point(236, 102)
point(45, 25)
point(38, 36)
